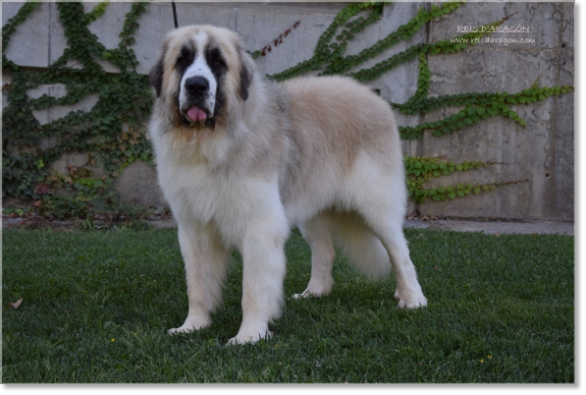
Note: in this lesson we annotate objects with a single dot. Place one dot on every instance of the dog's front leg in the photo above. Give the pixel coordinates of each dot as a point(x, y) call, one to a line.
point(205, 269)
point(263, 273)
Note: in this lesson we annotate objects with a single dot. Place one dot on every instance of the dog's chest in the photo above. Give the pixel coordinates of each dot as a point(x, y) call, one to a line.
point(193, 187)
point(198, 193)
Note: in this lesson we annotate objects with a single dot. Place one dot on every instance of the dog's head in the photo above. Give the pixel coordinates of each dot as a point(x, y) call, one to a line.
point(200, 71)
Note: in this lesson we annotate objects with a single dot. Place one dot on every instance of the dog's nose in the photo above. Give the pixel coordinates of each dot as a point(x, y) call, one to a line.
point(197, 85)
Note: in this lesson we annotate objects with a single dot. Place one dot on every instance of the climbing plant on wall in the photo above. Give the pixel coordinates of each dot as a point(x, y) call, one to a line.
point(329, 58)
point(111, 133)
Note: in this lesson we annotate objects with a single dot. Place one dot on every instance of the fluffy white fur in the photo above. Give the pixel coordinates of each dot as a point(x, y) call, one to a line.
point(319, 153)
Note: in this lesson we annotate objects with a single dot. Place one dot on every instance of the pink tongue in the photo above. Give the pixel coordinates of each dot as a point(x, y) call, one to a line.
point(196, 114)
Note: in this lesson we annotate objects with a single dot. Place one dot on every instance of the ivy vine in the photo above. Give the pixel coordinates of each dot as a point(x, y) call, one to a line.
point(274, 43)
point(420, 169)
point(112, 132)
point(328, 58)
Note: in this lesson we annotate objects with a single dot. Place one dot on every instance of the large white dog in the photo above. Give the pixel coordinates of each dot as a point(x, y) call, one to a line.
point(241, 160)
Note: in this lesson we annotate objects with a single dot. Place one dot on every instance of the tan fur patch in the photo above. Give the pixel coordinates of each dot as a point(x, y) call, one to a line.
point(320, 153)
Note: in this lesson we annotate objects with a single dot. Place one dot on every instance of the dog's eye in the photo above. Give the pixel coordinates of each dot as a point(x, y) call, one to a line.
point(215, 58)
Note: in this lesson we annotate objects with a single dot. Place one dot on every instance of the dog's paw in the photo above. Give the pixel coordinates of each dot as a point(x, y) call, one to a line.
point(181, 329)
point(191, 324)
point(311, 292)
point(305, 294)
point(248, 339)
point(410, 300)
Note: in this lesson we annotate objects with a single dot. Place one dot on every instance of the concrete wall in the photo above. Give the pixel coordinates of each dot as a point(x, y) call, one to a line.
point(542, 152)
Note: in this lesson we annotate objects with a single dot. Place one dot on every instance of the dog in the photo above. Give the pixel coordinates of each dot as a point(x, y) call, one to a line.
point(241, 160)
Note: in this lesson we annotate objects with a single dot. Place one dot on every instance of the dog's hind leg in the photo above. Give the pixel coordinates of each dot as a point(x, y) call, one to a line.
point(386, 223)
point(380, 197)
point(317, 233)
point(408, 293)
point(205, 268)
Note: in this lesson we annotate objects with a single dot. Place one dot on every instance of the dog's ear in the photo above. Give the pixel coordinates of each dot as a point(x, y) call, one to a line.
point(156, 74)
point(246, 73)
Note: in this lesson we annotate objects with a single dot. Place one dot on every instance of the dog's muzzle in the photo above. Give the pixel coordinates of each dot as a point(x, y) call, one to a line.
point(197, 91)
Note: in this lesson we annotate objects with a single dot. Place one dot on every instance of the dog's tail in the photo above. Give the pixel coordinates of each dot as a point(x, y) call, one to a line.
point(363, 249)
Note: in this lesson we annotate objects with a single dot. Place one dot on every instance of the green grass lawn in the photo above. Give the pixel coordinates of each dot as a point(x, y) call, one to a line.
point(96, 307)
